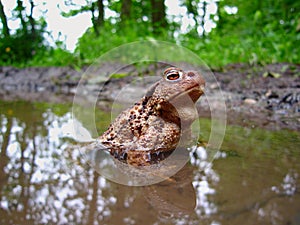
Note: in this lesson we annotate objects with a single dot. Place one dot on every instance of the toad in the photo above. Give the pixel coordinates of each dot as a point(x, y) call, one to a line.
point(151, 130)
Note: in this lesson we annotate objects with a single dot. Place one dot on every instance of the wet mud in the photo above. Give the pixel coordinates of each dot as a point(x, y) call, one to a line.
point(266, 96)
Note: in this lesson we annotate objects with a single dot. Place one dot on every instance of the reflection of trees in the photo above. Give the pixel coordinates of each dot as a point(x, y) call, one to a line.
point(4, 159)
point(18, 152)
point(93, 203)
point(36, 184)
point(43, 182)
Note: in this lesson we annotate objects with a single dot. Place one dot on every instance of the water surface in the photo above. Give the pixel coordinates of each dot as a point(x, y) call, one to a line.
point(254, 180)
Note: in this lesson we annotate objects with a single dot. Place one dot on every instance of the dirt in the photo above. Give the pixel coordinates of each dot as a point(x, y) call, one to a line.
point(265, 96)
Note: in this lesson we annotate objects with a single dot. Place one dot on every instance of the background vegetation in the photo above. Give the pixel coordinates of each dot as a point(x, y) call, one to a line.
point(243, 31)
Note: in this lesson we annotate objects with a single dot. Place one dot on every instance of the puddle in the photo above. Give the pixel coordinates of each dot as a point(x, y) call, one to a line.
point(254, 180)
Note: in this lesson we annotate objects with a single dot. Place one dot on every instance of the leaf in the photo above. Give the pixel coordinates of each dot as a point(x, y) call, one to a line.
point(257, 16)
point(271, 74)
point(75, 12)
point(119, 75)
point(284, 68)
point(275, 75)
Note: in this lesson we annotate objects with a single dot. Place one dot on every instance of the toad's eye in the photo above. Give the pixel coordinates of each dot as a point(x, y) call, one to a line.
point(173, 75)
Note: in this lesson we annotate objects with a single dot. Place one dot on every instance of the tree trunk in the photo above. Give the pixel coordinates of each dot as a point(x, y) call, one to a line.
point(203, 17)
point(126, 10)
point(5, 28)
point(100, 19)
point(158, 14)
point(31, 19)
point(20, 10)
point(97, 21)
point(94, 20)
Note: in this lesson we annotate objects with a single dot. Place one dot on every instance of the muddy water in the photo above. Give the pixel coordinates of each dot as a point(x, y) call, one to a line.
point(254, 180)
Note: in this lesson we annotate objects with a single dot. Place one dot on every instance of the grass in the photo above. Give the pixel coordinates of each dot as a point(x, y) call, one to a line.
point(215, 50)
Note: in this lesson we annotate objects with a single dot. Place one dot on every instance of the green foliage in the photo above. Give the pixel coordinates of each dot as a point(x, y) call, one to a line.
point(260, 32)
point(255, 32)
point(221, 50)
point(24, 51)
point(20, 48)
point(75, 12)
point(91, 46)
point(26, 42)
point(54, 57)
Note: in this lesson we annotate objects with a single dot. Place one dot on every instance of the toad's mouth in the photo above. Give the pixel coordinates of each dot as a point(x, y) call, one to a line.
point(193, 92)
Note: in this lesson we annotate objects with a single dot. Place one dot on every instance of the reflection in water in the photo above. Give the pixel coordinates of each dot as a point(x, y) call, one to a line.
point(44, 181)
point(288, 185)
point(36, 184)
point(173, 199)
point(203, 181)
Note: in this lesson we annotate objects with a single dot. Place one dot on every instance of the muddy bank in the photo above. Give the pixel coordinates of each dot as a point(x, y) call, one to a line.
point(265, 96)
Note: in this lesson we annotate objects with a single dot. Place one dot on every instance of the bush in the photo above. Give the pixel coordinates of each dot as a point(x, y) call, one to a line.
point(19, 48)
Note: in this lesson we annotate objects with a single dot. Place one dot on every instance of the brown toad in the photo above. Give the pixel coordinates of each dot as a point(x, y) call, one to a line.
point(152, 128)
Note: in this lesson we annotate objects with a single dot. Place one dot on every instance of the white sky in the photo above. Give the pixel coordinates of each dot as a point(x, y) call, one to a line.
point(64, 28)
point(70, 29)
